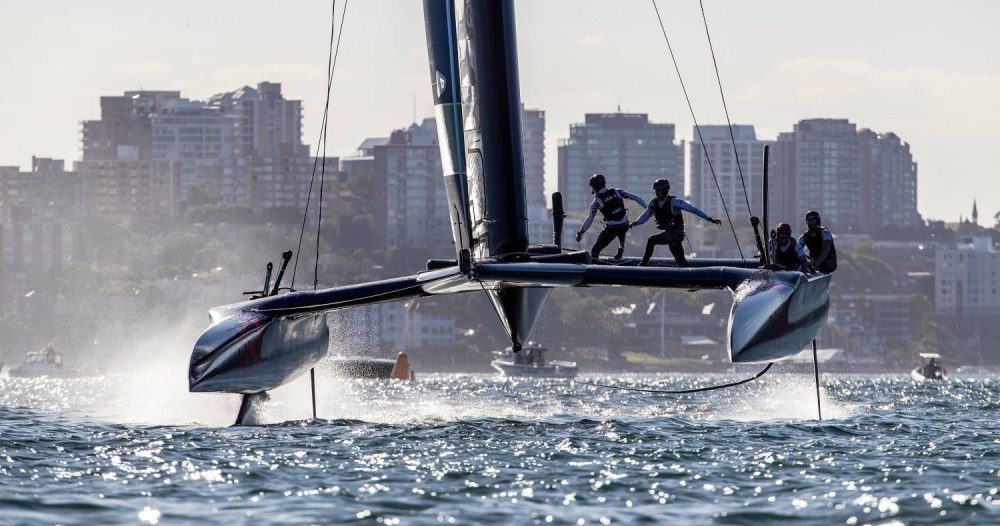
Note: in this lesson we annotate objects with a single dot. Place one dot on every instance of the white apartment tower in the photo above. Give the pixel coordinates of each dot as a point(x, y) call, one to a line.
point(712, 148)
point(967, 279)
point(533, 146)
point(628, 149)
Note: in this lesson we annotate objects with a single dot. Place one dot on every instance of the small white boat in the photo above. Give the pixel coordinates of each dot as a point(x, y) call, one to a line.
point(46, 362)
point(931, 368)
point(530, 361)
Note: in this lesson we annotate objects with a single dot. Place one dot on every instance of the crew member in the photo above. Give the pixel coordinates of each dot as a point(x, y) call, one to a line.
point(785, 251)
point(818, 241)
point(666, 209)
point(611, 203)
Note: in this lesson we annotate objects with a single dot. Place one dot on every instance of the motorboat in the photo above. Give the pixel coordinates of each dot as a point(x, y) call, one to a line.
point(931, 369)
point(530, 361)
point(46, 362)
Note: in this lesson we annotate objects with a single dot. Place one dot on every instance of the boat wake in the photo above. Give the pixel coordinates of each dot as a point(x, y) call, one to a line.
point(783, 397)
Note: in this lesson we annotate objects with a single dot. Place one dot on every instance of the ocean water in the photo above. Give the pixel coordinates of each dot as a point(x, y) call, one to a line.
point(479, 449)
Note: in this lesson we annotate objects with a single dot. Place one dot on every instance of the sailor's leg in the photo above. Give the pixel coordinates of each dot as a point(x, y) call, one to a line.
point(674, 240)
point(677, 250)
point(655, 239)
point(622, 231)
point(828, 265)
point(603, 240)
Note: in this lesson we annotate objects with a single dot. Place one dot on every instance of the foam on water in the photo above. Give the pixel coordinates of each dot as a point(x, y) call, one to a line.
point(786, 397)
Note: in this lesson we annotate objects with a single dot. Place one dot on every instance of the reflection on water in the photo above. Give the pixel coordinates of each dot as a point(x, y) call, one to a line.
point(483, 449)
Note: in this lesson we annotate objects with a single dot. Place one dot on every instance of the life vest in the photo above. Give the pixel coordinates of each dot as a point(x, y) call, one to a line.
point(612, 204)
point(814, 243)
point(664, 214)
point(787, 258)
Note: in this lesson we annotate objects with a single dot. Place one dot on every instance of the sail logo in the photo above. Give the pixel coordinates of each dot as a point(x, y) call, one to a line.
point(441, 83)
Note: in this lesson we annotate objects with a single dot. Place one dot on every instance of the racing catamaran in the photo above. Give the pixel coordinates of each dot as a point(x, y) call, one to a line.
point(258, 345)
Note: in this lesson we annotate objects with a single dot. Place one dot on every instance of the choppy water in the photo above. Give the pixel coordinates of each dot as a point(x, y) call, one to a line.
point(469, 449)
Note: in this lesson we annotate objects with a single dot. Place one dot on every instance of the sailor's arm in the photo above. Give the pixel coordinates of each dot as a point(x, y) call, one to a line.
point(645, 215)
point(800, 251)
point(589, 221)
point(688, 207)
point(824, 252)
point(629, 195)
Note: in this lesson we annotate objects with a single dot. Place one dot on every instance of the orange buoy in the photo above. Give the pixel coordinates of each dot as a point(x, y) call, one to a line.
point(401, 369)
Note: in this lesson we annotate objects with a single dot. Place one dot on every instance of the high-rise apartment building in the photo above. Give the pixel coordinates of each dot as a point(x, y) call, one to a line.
point(411, 207)
point(817, 166)
point(130, 187)
point(154, 152)
point(859, 181)
point(889, 181)
point(533, 146)
point(268, 124)
point(201, 139)
point(405, 171)
point(967, 279)
point(118, 168)
point(736, 171)
point(37, 214)
point(125, 127)
point(628, 149)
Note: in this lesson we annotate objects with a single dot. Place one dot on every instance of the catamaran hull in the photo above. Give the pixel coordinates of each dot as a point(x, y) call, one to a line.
point(253, 352)
point(260, 344)
point(776, 318)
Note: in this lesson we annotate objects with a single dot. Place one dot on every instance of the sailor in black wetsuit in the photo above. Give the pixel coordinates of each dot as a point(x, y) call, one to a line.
point(786, 253)
point(611, 203)
point(666, 209)
point(818, 241)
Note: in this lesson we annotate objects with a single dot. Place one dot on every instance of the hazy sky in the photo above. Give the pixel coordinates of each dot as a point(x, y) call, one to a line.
point(926, 70)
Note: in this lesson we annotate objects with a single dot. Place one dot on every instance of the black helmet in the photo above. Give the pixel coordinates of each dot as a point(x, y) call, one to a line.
point(814, 215)
point(784, 230)
point(661, 184)
point(597, 181)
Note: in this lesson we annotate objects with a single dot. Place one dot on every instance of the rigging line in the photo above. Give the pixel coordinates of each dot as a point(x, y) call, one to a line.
point(697, 128)
point(722, 94)
point(681, 391)
point(322, 132)
point(322, 173)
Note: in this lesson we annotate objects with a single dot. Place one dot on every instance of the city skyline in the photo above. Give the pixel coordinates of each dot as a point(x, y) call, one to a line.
point(914, 68)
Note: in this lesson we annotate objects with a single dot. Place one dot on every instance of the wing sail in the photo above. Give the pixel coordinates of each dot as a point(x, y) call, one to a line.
point(442, 53)
point(477, 100)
